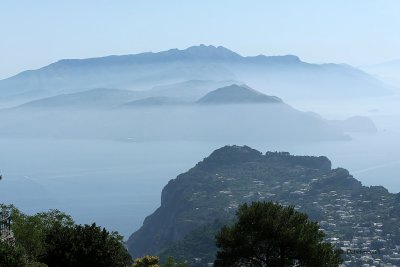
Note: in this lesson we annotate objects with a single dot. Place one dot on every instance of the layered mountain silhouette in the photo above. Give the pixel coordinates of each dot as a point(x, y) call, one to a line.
point(226, 113)
point(111, 98)
point(286, 76)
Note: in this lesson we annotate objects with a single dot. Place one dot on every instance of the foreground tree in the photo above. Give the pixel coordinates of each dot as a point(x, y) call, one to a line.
point(30, 231)
point(269, 234)
point(82, 246)
point(53, 239)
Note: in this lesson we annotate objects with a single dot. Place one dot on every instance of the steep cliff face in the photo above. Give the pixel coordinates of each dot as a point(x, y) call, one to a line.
point(196, 203)
point(173, 220)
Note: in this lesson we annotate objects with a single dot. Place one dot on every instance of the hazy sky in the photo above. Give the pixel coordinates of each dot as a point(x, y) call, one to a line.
point(36, 33)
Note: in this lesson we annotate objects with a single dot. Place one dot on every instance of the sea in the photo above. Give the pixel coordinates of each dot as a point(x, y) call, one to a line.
point(117, 183)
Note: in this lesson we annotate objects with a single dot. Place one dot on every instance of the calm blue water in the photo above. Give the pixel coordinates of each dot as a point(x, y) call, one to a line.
point(117, 184)
point(113, 183)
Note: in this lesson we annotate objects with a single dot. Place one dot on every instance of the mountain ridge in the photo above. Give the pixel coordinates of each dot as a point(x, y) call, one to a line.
point(201, 51)
point(287, 75)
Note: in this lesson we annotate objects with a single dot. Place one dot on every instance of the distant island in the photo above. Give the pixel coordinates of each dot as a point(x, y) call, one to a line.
point(106, 98)
point(223, 114)
point(197, 203)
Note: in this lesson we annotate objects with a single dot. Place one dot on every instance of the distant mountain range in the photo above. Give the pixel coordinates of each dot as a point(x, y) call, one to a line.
point(197, 203)
point(226, 113)
point(286, 76)
point(114, 98)
point(222, 114)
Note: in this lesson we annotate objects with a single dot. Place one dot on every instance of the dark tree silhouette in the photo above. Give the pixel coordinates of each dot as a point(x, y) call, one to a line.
point(269, 234)
point(82, 246)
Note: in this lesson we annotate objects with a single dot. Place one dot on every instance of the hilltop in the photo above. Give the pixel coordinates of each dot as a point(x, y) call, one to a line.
point(234, 94)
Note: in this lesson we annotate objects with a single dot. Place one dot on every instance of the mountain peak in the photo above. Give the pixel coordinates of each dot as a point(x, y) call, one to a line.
point(210, 48)
point(237, 94)
point(204, 52)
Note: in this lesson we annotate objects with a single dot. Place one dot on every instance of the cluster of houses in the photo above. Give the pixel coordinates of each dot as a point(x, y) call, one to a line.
point(367, 244)
point(364, 243)
point(355, 221)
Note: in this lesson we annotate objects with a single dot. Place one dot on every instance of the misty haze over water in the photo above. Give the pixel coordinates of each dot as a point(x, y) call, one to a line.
point(105, 154)
point(118, 182)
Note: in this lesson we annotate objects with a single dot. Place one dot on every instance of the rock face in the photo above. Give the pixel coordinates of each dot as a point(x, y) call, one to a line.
point(196, 203)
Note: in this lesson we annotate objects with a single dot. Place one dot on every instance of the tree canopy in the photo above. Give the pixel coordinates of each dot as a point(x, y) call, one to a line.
point(11, 256)
point(30, 231)
point(84, 245)
point(147, 261)
point(269, 234)
point(53, 239)
point(154, 261)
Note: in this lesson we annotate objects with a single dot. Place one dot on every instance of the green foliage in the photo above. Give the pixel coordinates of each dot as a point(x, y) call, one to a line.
point(154, 261)
point(11, 256)
point(146, 261)
point(52, 239)
point(87, 245)
point(268, 234)
point(30, 231)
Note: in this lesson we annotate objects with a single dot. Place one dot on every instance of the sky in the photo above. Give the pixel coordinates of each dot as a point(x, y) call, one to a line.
point(357, 32)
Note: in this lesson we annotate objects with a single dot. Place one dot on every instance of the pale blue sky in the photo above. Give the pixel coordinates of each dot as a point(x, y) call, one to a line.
point(37, 32)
